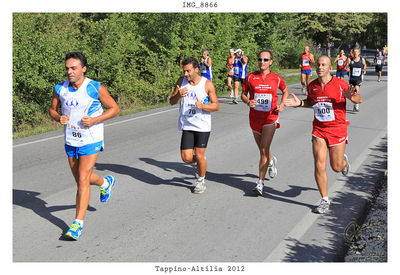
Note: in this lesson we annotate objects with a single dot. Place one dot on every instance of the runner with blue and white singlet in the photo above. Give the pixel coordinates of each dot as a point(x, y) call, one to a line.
point(240, 72)
point(206, 65)
point(81, 100)
point(197, 100)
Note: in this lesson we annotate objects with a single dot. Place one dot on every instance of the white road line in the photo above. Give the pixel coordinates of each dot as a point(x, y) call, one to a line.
point(106, 125)
point(282, 249)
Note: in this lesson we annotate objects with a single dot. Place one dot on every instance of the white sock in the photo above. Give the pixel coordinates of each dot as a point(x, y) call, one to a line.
point(105, 183)
point(200, 178)
point(80, 222)
point(325, 198)
point(260, 181)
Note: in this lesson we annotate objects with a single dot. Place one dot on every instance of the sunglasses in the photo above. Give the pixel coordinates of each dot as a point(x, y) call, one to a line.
point(264, 59)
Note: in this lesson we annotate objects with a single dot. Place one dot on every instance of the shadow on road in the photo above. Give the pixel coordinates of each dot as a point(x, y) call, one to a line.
point(30, 200)
point(346, 208)
point(233, 180)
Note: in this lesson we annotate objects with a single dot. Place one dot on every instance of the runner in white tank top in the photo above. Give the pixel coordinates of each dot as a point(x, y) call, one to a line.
point(190, 117)
point(198, 99)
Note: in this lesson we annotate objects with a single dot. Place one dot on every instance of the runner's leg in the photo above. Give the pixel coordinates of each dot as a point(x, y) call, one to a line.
point(187, 156)
point(263, 142)
point(236, 91)
point(308, 80)
point(320, 152)
point(85, 171)
point(201, 161)
point(303, 79)
point(336, 156)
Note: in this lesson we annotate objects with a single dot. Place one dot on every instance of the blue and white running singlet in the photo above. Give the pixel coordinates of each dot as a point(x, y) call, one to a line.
point(78, 103)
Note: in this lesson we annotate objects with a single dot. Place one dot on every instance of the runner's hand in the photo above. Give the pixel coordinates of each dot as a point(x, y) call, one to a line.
point(182, 92)
point(87, 121)
point(199, 105)
point(280, 108)
point(252, 103)
point(350, 92)
point(64, 119)
point(292, 102)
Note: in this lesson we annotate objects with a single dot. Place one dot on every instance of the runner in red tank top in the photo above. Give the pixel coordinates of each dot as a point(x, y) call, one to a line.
point(327, 96)
point(306, 59)
point(260, 94)
point(341, 61)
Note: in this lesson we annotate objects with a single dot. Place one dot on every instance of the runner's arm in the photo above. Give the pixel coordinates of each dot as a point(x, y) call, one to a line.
point(285, 95)
point(347, 65)
point(53, 111)
point(112, 108)
point(295, 102)
point(336, 59)
point(352, 95)
point(364, 66)
point(208, 63)
point(214, 104)
point(312, 58)
point(176, 94)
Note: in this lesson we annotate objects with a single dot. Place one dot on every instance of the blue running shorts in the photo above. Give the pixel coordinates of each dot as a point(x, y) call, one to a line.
point(307, 72)
point(86, 150)
point(341, 73)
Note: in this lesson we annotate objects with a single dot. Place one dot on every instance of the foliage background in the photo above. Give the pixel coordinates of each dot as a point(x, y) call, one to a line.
point(137, 56)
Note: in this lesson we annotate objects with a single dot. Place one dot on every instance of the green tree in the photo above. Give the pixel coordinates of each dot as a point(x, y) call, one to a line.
point(326, 28)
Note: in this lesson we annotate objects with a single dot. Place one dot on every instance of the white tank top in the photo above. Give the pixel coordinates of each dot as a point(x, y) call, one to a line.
point(77, 104)
point(191, 118)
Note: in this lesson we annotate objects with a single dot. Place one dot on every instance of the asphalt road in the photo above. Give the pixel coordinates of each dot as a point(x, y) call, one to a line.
point(153, 216)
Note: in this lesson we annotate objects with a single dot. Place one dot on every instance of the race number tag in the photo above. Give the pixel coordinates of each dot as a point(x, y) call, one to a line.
point(75, 133)
point(189, 106)
point(306, 62)
point(379, 62)
point(189, 110)
point(323, 111)
point(263, 102)
point(236, 70)
point(340, 62)
point(356, 72)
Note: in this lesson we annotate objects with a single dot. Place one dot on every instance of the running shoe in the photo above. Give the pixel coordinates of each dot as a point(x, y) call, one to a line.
point(231, 95)
point(323, 206)
point(346, 170)
point(272, 170)
point(236, 101)
point(259, 188)
point(75, 231)
point(356, 108)
point(200, 187)
point(105, 193)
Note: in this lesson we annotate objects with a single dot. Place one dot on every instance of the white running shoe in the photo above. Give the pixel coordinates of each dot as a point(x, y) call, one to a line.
point(259, 188)
point(323, 206)
point(200, 187)
point(272, 170)
point(346, 170)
